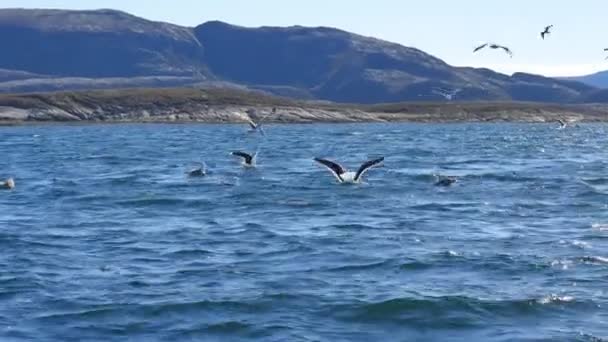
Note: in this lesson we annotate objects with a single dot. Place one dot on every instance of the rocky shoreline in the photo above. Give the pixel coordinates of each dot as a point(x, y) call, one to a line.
point(183, 105)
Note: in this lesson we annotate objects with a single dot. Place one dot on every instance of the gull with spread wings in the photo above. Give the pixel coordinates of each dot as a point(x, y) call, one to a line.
point(348, 177)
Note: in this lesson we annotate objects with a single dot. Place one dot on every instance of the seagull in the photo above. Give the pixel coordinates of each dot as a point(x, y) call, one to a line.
point(562, 124)
point(248, 159)
point(257, 126)
point(494, 46)
point(8, 184)
point(447, 94)
point(445, 180)
point(347, 177)
point(546, 31)
point(200, 171)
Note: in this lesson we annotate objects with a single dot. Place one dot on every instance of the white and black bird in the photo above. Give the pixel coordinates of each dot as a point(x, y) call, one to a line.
point(546, 31)
point(445, 180)
point(248, 159)
point(199, 171)
point(562, 124)
point(257, 126)
point(345, 176)
point(447, 94)
point(8, 184)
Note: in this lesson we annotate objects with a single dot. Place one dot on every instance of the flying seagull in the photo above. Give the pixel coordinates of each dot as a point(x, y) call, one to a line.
point(8, 184)
point(344, 176)
point(257, 126)
point(447, 94)
point(254, 126)
point(494, 46)
point(562, 124)
point(248, 159)
point(200, 171)
point(546, 31)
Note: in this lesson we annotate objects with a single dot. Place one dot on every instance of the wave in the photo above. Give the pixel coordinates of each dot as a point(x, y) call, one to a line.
point(360, 267)
point(602, 227)
point(592, 338)
point(188, 253)
point(164, 201)
point(457, 309)
point(496, 263)
point(228, 327)
point(157, 309)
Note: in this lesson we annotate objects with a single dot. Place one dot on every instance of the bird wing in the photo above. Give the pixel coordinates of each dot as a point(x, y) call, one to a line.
point(243, 155)
point(480, 47)
point(252, 124)
point(507, 50)
point(335, 168)
point(366, 166)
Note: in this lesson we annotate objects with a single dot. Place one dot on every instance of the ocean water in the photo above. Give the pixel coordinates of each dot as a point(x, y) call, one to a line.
point(105, 238)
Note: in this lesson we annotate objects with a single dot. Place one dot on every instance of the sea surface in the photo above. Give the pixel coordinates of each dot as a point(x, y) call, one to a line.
point(105, 237)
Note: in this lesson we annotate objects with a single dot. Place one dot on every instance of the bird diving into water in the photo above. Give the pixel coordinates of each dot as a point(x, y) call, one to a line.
point(546, 31)
point(494, 46)
point(248, 159)
point(347, 177)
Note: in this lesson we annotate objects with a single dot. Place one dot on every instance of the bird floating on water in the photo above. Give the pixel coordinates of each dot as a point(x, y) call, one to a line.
point(445, 180)
point(248, 159)
point(494, 46)
point(8, 184)
point(200, 171)
point(344, 176)
point(546, 31)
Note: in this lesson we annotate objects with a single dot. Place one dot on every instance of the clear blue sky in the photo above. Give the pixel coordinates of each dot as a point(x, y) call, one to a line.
point(445, 28)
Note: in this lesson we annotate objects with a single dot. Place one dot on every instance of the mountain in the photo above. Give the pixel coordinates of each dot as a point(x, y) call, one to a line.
point(61, 50)
point(103, 43)
point(599, 79)
point(341, 66)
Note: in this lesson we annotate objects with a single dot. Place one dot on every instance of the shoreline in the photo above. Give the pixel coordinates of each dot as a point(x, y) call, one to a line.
point(229, 106)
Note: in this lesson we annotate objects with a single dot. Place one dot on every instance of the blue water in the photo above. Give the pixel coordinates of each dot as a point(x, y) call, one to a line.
point(106, 239)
